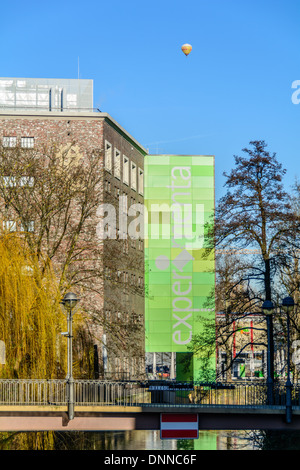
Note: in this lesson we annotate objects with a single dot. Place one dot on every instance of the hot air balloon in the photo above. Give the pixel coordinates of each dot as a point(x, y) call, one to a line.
point(186, 49)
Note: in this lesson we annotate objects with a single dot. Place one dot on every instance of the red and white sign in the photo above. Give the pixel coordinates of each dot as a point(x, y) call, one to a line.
point(179, 426)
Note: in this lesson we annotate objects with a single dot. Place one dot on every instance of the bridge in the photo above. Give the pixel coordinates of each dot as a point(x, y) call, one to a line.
point(42, 405)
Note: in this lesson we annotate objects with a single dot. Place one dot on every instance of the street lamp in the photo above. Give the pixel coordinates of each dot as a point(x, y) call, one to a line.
point(69, 303)
point(268, 309)
point(288, 306)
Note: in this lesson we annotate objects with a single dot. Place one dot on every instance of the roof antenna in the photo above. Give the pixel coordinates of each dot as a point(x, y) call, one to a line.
point(78, 67)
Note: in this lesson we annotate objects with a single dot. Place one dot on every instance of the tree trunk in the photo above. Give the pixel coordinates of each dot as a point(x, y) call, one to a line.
point(268, 297)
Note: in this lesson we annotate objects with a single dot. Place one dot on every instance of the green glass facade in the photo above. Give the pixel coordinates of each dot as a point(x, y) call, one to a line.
point(179, 272)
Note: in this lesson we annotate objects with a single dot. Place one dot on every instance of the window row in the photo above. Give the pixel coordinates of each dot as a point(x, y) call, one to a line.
point(112, 233)
point(123, 276)
point(124, 317)
point(21, 181)
point(12, 226)
point(127, 201)
point(11, 141)
point(132, 175)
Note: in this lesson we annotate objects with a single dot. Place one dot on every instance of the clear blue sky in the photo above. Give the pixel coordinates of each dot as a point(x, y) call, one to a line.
point(234, 87)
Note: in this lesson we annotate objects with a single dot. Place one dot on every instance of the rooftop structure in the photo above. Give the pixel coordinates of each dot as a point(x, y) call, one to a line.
point(47, 94)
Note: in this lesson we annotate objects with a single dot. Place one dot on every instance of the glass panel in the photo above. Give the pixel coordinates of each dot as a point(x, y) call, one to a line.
point(9, 141)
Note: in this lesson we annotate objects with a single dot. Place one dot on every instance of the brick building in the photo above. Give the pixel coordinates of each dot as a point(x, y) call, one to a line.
point(36, 111)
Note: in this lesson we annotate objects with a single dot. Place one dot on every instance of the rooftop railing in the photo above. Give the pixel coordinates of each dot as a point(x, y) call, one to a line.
point(24, 108)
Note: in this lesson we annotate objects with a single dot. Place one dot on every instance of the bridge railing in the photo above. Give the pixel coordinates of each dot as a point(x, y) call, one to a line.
point(111, 393)
point(98, 392)
point(32, 392)
point(239, 394)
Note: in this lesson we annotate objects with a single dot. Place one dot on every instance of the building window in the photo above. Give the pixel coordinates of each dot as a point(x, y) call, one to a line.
point(117, 164)
point(108, 231)
point(133, 176)
point(9, 181)
point(141, 181)
point(135, 317)
point(125, 244)
point(10, 225)
point(27, 181)
point(140, 243)
point(27, 142)
point(108, 156)
point(9, 141)
point(125, 170)
point(12, 181)
point(124, 203)
point(28, 227)
point(107, 186)
point(125, 317)
point(117, 192)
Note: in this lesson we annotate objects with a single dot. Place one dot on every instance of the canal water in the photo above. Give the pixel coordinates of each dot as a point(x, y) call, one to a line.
point(128, 440)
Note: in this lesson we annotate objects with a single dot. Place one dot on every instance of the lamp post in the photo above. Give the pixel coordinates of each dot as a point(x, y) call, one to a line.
point(268, 309)
point(288, 306)
point(69, 303)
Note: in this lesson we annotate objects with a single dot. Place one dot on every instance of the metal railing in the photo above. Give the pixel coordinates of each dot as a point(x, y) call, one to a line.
point(32, 392)
point(135, 393)
point(34, 108)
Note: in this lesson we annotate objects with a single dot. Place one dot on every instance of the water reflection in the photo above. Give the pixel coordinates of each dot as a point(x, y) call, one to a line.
point(128, 440)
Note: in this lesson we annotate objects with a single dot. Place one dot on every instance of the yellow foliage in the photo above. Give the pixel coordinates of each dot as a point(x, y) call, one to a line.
point(30, 315)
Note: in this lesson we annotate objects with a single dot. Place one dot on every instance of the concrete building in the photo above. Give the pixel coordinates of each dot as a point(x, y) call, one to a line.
point(34, 112)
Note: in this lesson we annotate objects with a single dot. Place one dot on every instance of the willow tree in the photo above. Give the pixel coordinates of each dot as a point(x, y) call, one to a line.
point(49, 195)
point(30, 315)
point(31, 322)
